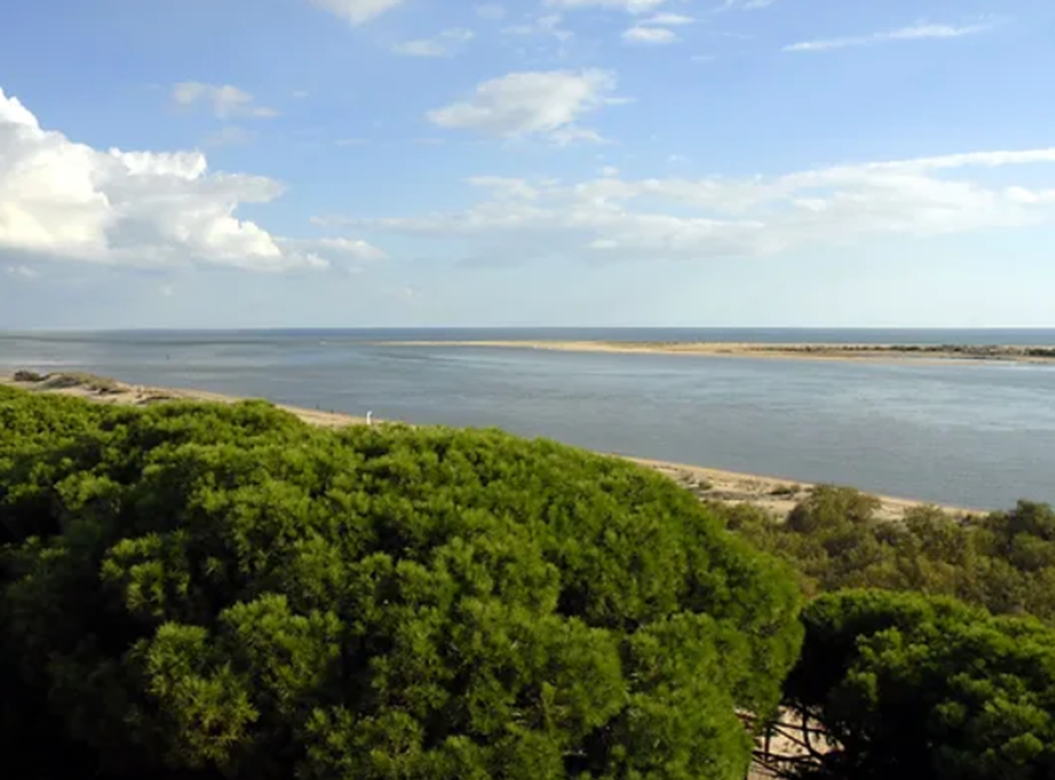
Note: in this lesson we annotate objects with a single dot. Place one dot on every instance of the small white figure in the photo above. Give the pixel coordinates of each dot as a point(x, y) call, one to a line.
point(369, 418)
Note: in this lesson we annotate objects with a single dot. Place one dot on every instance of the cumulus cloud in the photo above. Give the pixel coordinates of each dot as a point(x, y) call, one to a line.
point(532, 103)
point(651, 36)
point(915, 32)
point(63, 199)
point(443, 45)
point(712, 217)
point(224, 100)
point(357, 12)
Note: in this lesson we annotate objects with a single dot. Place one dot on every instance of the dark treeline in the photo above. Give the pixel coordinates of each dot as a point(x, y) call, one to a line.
point(206, 591)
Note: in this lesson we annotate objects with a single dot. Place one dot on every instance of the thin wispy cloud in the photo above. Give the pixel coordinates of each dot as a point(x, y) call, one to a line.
point(650, 36)
point(533, 103)
point(668, 20)
point(632, 6)
point(357, 12)
point(491, 12)
point(226, 101)
point(446, 44)
point(746, 5)
point(915, 32)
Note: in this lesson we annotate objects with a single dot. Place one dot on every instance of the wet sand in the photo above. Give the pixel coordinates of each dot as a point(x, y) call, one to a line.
point(773, 494)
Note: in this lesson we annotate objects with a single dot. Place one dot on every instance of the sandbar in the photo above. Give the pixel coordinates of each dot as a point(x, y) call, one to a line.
point(1040, 354)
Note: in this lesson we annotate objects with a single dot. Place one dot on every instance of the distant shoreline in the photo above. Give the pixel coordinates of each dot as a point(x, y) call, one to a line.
point(1038, 354)
point(773, 494)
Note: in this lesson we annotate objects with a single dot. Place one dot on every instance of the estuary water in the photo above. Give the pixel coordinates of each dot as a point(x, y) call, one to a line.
point(979, 434)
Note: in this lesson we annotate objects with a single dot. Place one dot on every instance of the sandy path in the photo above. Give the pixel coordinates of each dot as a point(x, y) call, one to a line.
point(775, 495)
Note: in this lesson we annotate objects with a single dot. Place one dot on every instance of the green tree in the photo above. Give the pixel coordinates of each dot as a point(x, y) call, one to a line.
point(204, 591)
point(911, 686)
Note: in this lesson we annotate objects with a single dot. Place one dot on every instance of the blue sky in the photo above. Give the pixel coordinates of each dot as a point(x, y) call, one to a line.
point(299, 163)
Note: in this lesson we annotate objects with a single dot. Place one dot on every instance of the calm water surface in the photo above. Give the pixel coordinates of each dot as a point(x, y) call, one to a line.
point(978, 435)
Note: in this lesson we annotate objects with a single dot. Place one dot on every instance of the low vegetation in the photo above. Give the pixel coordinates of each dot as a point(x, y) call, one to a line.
point(1004, 561)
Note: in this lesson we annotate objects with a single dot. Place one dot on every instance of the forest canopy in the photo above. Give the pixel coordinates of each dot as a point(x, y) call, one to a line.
point(205, 591)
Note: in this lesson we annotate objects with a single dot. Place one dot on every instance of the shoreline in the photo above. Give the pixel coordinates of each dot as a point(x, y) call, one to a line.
point(775, 495)
point(896, 353)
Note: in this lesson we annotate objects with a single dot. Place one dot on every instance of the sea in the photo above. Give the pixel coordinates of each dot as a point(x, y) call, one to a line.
point(976, 434)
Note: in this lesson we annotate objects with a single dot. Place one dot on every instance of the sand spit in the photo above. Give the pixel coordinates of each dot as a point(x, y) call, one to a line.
point(1039, 354)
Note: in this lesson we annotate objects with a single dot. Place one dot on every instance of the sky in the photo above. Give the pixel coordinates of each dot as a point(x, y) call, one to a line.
point(381, 163)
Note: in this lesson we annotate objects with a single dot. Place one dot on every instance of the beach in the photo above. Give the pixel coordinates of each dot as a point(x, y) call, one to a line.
point(882, 352)
point(773, 494)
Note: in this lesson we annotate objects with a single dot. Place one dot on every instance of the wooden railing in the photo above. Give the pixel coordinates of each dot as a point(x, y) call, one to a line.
point(786, 746)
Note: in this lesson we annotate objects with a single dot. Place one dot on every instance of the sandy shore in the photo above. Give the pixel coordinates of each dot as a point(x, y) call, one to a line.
point(775, 495)
point(878, 352)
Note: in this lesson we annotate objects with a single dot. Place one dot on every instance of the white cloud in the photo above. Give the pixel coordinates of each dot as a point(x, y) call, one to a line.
point(668, 20)
point(746, 5)
point(492, 12)
point(548, 24)
point(443, 45)
point(633, 6)
point(655, 30)
point(913, 32)
point(652, 36)
point(319, 250)
point(226, 101)
point(718, 217)
point(357, 12)
point(21, 272)
point(532, 103)
point(62, 199)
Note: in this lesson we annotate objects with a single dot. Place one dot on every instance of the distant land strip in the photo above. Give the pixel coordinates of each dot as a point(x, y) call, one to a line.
point(896, 352)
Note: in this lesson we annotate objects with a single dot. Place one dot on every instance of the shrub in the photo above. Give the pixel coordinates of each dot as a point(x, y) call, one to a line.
point(204, 591)
point(1004, 561)
point(29, 376)
point(96, 384)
